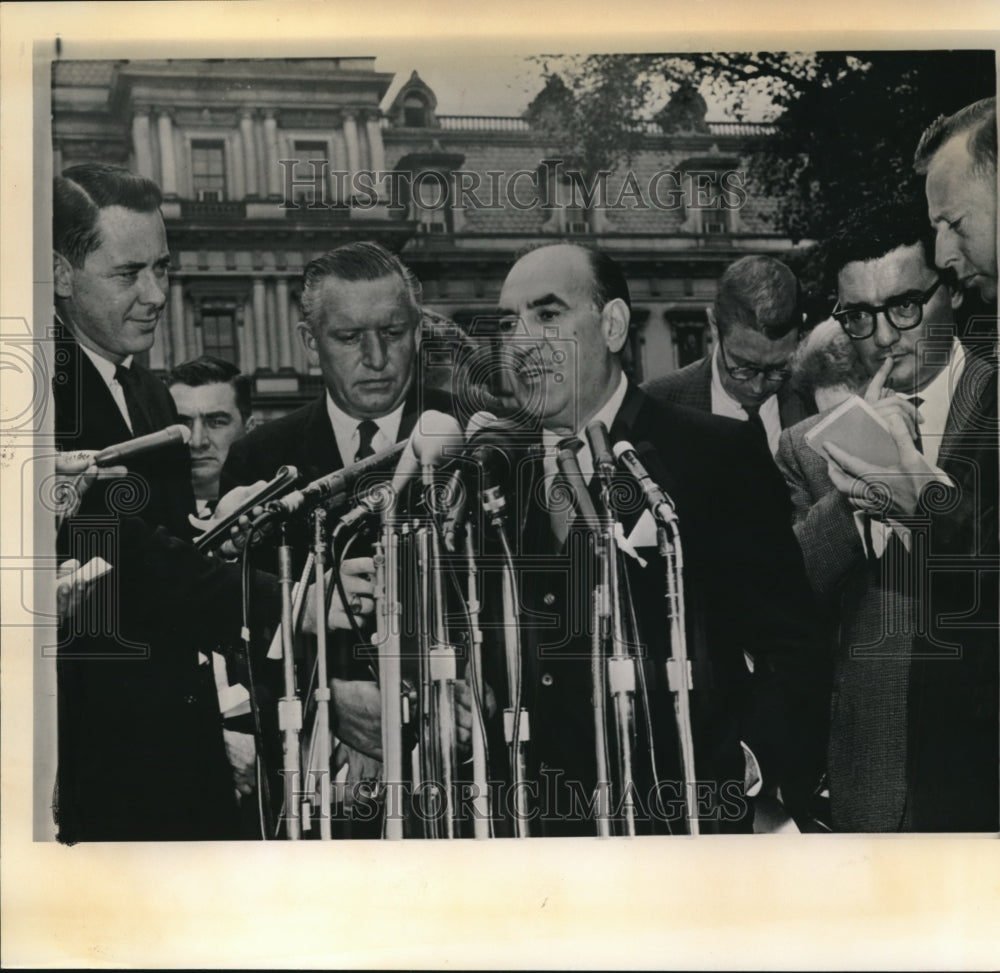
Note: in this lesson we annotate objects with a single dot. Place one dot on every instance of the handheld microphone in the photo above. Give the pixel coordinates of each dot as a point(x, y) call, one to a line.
point(282, 480)
point(600, 447)
point(331, 485)
point(659, 503)
point(122, 452)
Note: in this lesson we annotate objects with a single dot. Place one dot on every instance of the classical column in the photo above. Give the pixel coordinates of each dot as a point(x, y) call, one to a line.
point(374, 127)
point(141, 143)
point(284, 327)
point(260, 323)
point(168, 163)
point(272, 330)
point(248, 346)
point(271, 154)
point(177, 336)
point(351, 138)
point(249, 154)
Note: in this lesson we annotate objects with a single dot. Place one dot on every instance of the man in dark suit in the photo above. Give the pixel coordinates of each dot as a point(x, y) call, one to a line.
point(907, 569)
point(361, 309)
point(565, 315)
point(755, 321)
point(140, 744)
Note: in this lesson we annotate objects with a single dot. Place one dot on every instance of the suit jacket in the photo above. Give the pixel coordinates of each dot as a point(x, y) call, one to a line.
point(304, 439)
point(692, 386)
point(745, 592)
point(141, 754)
point(912, 635)
point(158, 487)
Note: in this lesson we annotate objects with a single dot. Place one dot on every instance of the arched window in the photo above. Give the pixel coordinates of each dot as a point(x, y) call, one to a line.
point(415, 111)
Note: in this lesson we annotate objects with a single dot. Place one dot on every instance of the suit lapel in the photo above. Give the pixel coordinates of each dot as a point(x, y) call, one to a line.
point(973, 408)
point(703, 387)
point(320, 454)
point(101, 423)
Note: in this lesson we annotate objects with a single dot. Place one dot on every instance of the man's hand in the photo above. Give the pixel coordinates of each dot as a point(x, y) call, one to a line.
point(358, 707)
point(362, 771)
point(227, 505)
point(887, 403)
point(358, 577)
point(75, 472)
point(464, 714)
point(882, 490)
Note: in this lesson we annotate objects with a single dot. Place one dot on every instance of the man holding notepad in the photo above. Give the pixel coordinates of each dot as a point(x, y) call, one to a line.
point(895, 510)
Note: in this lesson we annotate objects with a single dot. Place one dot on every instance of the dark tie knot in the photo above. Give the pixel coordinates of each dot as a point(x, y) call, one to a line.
point(366, 434)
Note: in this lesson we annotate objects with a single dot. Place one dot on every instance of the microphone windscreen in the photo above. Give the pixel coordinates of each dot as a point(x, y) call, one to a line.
point(436, 436)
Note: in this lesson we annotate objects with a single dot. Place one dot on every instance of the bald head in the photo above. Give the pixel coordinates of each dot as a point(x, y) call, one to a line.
point(565, 315)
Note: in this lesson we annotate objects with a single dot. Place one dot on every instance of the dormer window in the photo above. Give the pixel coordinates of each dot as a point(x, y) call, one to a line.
point(415, 111)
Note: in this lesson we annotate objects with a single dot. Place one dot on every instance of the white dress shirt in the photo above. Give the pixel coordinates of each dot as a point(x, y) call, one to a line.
point(723, 404)
point(106, 369)
point(345, 430)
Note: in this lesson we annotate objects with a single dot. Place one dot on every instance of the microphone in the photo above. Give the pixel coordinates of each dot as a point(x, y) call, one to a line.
point(570, 469)
point(331, 485)
point(658, 502)
point(282, 480)
point(435, 436)
point(122, 452)
point(600, 447)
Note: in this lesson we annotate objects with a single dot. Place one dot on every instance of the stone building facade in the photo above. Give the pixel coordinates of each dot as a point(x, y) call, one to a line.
point(265, 164)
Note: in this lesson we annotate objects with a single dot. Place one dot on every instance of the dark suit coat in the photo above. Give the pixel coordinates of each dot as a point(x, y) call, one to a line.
point(692, 386)
point(304, 439)
point(141, 755)
point(745, 591)
point(913, 729)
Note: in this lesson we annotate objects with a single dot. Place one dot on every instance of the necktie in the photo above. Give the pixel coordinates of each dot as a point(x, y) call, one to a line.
point(366, 433)
point(917, 401)
point(138, 417)
point(755, 421)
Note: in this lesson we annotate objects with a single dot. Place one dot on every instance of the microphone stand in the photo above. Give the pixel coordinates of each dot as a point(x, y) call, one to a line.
point(570, 469)
point(289, 706)
point(516, 722)
point(387, 637)
point(620, 666)
point(439, 665)
point(322, 691)
point(679, 676)
point(481, 801)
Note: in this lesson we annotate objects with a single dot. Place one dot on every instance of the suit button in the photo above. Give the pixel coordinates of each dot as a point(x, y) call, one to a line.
point(190, 699)
point(547, 679)
point(549, 599)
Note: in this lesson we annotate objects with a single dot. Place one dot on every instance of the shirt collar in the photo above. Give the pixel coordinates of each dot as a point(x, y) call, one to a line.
point(345, 427)
point(605, 414)
point(106, 369)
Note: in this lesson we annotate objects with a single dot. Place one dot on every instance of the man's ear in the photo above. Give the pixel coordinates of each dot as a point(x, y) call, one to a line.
point(252, 423)
point(62, 275)
point(710, 317)
point(614, 324)
point(308, 342)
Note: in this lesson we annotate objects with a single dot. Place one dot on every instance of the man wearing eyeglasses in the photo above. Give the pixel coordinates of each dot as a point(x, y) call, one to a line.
point(904, 556)
point(755, 321)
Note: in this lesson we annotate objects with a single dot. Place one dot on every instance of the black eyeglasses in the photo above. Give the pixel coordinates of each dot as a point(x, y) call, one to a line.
point(747, 373)
point(903, 313)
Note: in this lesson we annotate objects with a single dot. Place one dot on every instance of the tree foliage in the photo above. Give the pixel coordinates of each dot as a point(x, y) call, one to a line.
point(845, 123)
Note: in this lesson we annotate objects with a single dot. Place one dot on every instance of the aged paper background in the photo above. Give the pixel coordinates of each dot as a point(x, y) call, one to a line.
point(727, 902)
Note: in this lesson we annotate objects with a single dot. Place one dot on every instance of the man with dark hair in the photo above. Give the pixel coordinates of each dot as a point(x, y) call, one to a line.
point(213, 400)
point(745, 584)
point(904, 556)
point(958, 154)
point(755, 321)
point(140, 746)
